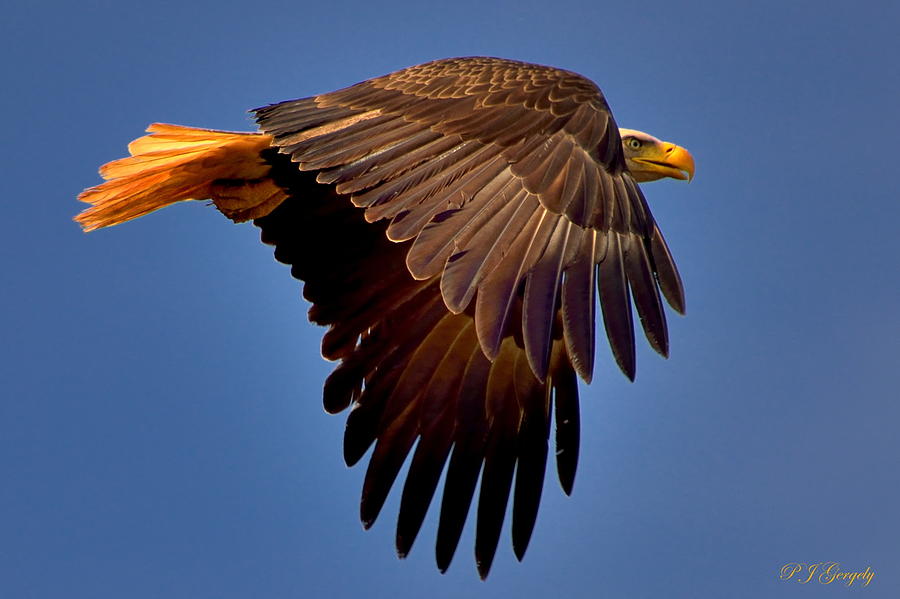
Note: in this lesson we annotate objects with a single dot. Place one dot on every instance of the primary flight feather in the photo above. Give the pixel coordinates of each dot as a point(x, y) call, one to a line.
point(450, 222)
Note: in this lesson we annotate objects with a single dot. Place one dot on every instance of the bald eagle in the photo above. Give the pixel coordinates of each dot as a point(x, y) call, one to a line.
point(450, 223)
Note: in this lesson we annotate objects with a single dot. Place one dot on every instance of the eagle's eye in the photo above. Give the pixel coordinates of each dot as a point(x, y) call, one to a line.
point(633, 143)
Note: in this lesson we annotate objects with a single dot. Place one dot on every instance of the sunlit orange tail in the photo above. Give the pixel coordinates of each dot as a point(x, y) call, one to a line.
point(176, 163)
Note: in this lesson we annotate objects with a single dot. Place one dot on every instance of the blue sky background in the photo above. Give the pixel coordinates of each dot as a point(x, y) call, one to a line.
point(161, 429)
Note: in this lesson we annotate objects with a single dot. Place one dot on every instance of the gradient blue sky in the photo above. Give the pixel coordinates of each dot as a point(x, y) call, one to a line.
point(161, 429)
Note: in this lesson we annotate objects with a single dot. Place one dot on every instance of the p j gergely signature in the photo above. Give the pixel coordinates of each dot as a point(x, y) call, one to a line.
point(824, 573)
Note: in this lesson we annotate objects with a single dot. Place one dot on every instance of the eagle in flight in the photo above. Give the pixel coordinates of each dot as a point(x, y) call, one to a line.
point(450, 223)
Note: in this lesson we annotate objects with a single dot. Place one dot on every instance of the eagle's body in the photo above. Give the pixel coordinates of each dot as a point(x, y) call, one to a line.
point(450, 222)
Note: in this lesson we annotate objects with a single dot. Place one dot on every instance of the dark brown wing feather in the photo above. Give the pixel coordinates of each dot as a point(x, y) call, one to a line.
point(483, 201)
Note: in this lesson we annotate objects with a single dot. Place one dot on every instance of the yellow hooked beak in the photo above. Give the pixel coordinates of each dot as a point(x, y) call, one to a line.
point(673, 161)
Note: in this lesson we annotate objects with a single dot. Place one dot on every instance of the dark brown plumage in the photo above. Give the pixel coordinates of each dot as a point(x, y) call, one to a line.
point(487, 200)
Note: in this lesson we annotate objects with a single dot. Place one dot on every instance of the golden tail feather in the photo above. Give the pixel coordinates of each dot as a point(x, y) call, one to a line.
point(174, 164)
